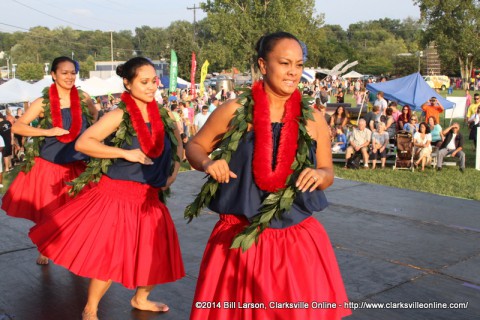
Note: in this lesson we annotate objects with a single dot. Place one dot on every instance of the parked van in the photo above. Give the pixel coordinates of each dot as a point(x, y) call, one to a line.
point(438, 82)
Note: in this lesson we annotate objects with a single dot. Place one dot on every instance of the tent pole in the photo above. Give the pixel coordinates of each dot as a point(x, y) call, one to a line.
point(361, 107)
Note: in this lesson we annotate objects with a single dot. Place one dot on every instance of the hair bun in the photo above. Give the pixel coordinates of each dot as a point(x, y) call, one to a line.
point(119, 70)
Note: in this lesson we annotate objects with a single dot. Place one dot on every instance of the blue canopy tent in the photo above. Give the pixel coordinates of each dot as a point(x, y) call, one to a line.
point(165, 80)
point(411, 90)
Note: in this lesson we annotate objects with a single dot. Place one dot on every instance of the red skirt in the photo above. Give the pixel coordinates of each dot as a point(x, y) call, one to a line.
point(117, 230)
point(42, 190)
point(290, 273)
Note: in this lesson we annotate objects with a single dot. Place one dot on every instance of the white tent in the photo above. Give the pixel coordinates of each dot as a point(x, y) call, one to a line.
point(184, 82)
point(14, 90)
point(115, 84)
point(36, 89)
point(352, 74)
point(95, 87)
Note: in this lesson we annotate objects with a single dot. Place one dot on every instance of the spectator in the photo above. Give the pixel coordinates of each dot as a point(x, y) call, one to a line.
point(213, 105)
point(379, 145)
point(436, 132)
point(412, 125)
point(6, 134)
point(468, 102)
point(176, 116)
point(422, 145)
point(339, 117)
point(432, 108)
point(371, 118)
point(395, 113)
point(381, 103)
point(473, 124)
point(404, 117)
point(184, 138)
point(472, 109)
point(340, 95)
point(359, 141)
point(200, 119)
point(452, 145)
point(359, 96)
point(9, 117)
point(341, 140)
point(390, 125)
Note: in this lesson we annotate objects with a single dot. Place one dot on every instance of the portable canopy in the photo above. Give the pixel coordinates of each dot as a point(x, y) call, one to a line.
point(411, 90)
point(308, 75)
point(165, 80)
point(36, 89)
point(352, 74)
point(115, 84)
point(15, 90)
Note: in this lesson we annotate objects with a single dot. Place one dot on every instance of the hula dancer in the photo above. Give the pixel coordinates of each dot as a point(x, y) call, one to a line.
point(274, 161)
point(52, 161)
point(119, 230)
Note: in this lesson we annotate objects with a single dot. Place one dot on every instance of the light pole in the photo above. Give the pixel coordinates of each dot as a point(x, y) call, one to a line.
point(14, 68)
point(420, 55)
point(111, 51)
point(46, 68)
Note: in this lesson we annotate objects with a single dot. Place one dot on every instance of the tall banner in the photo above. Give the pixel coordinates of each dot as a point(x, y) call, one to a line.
point(203, 76)
point(173, 71)
point(193, 89)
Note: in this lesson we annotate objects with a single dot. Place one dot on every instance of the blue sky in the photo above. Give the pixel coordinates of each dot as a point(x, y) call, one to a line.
point(106, 15)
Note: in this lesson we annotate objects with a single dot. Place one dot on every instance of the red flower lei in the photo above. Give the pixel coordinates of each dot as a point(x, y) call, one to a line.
point(151, 144)
point(266, 178)
point(75, 110)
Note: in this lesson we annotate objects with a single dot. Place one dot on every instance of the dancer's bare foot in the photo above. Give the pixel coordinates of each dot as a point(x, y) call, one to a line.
point(88, 315)
point(148, 305)
point(42, 260)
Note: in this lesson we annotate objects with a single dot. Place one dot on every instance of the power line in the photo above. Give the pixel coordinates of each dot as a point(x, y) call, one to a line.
point(47, 14)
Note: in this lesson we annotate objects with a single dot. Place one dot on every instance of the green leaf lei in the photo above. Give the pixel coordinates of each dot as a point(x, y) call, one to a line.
point(97, 167)
point(276, 203)
point(32, 150)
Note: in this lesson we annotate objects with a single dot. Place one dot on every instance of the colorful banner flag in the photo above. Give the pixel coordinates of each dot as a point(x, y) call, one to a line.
point(203, 76)
point(193, 89)
point(173, 71)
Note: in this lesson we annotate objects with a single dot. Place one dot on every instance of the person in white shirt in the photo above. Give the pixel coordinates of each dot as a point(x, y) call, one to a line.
point(381, 103)
point(453, 145)
point(200, 119)
point(473, 124)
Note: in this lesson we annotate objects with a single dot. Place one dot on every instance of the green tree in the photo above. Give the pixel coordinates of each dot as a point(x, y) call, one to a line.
point(454, 26)
point(236, 25)
point(29, 71)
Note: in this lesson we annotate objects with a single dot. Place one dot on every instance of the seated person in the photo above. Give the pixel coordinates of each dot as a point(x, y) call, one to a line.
point(422, 145)
point(452, 145)
point(379, 145)
point(436, 132)
point(340, 143)
point(390, 124)
point(358, 142)
point(412, 125)
point(371, 118)
point(404, 117)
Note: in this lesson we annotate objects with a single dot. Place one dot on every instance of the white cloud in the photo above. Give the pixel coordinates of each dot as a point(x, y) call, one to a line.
point(82, 12)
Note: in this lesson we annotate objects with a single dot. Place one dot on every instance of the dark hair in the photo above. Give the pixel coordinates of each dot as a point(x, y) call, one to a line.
point(205, 108)
point(59, 60)
point(389, 111)
point(267, 42)
point(128, 70)
point(476, 95)
point(427, 127)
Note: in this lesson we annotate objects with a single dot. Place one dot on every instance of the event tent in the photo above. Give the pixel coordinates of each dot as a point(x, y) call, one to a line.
point(181, 84)
point(36, 89)
point(411, 90)
point(15, 90)
point(352, 74)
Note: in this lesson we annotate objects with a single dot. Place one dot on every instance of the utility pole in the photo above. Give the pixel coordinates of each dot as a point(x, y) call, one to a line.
point(195, 8)
point(111, 51)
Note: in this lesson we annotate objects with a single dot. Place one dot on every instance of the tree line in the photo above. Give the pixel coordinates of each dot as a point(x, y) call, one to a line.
point(227, 37)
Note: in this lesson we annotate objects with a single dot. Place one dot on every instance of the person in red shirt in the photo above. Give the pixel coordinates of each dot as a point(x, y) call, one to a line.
point(433, 108)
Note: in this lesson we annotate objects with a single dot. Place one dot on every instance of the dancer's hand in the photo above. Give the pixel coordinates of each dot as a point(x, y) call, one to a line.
point(56, 131)
point(136, 155)
point(219, 170)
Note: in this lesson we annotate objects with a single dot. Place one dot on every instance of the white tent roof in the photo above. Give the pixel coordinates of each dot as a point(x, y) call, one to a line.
point(352, 74)
point(115, 84)
point(14, 90)
point(36, 89)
